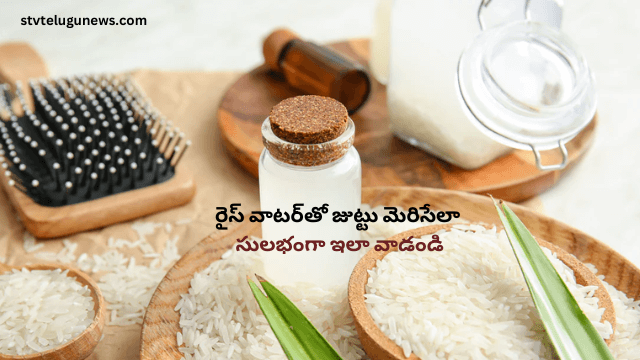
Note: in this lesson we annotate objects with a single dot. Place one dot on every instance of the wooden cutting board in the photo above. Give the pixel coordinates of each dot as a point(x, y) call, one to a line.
point(386, 160)
point(161, 320)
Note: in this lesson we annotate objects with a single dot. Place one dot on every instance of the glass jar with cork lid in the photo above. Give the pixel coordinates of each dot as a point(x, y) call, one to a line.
point(309, 159)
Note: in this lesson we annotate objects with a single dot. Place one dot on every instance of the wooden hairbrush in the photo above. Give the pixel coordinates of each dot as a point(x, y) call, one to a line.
point(80, 153)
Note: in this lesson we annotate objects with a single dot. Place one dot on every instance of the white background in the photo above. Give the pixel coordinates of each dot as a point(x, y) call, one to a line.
point(601, 196)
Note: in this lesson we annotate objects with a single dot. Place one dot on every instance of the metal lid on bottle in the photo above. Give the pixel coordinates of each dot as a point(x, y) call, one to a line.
point(527, 86)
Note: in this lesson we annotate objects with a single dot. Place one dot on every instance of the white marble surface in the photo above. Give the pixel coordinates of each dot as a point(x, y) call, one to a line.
point(601, 196)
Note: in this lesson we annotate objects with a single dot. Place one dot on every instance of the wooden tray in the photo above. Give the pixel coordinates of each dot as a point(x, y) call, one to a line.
point(20, 62)
point(386, 160)
point(161, 321)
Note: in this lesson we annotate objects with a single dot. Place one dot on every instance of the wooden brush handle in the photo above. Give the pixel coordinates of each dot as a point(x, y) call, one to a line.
point(4, 268)
point(20, 62)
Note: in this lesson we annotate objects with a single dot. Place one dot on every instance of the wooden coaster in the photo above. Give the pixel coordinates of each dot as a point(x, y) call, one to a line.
point(161, 321)
point(20, 62)
point(386, 160)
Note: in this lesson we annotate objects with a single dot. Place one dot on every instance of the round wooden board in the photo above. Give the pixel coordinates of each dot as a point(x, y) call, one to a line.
point(386, 160)
point(161, 321)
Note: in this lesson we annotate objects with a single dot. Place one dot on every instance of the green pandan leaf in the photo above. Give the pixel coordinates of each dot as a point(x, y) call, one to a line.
point(571, 333)
point(300, 340)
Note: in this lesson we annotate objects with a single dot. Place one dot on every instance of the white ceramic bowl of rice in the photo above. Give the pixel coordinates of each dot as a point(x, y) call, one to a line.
point(467, 301)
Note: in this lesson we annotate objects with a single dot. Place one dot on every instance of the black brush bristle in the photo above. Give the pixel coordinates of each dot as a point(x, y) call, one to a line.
point(89, 137)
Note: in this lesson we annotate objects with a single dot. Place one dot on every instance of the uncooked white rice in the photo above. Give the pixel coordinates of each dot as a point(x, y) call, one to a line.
point(183, 221)
point(145, 228)
point(127, 286)
point(469, 301)
point(65, 256)
point(41, 309)
point(29, 243)
point(626, 344)
point(220, 319)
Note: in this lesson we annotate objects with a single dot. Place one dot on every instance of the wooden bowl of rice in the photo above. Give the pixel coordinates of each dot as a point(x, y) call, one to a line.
point(82, 346)
point(380, 347)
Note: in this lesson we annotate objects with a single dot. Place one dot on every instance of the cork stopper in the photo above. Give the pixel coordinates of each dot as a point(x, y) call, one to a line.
point(274, 44)
point(308, 130)
point(308, 119)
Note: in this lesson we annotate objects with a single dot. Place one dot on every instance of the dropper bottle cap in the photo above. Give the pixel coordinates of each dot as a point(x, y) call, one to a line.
point(317, 70)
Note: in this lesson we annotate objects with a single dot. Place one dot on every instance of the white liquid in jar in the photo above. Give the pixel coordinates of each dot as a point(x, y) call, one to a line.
point(337, 184)
point(379, 58)
point(427, 38)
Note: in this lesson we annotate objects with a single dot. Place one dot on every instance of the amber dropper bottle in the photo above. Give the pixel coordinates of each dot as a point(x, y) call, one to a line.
point(317, 70)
